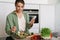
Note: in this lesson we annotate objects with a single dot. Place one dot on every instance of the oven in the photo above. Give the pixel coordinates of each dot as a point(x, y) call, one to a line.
point(32, 13)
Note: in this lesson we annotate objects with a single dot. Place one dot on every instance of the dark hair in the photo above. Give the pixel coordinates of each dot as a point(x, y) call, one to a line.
point(21, 1)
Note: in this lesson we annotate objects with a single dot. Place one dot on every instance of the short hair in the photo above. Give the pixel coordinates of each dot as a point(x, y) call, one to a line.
point(21, 1)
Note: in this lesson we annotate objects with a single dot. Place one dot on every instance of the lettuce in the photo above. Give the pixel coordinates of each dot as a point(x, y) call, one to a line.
point(45, 32)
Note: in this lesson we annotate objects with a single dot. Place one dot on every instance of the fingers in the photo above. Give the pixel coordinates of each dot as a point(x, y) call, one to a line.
point(13, 29)
point(32, 21)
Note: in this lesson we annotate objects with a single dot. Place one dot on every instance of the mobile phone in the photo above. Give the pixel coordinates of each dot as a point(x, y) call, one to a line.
point(34, 17)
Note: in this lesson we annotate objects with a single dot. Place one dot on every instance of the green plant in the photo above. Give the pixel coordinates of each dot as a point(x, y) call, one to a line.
point(45, 32)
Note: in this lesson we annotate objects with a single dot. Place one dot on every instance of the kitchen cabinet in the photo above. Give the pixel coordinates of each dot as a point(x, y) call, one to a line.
point(35, 1)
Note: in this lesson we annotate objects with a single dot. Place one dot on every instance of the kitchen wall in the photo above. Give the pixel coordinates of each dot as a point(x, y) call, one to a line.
point(37, 1)
point(50, 17)
point(53, 1)
point(5, 9)
point(57, 18)
point(47, 16)
point(30, 1)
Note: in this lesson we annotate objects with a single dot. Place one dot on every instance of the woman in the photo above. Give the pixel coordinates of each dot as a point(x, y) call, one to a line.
point(18, 21)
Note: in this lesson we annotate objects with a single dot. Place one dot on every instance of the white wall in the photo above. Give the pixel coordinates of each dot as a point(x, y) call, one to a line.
point(36, 1)
point(5, 9)
point(8, 1)
point(30, 1)
point(53, 1)
point(57, 18)
point(47, 16)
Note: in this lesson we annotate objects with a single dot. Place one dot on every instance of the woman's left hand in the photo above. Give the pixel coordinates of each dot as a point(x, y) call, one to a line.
point(32, 21)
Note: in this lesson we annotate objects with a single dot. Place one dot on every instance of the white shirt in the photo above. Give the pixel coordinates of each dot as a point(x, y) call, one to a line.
point(21, 23)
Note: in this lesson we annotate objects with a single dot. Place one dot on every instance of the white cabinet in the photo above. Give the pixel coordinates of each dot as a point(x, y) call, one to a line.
point(50, 17)
point(5, 9)
point(29, 1)
point(57, 18)
point(7, 1)
point(53, 1)
point(36, 1)
point(47, 16)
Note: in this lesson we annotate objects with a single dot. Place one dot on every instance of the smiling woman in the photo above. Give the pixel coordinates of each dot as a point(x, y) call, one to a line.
point(18, 21)
point(6, 8)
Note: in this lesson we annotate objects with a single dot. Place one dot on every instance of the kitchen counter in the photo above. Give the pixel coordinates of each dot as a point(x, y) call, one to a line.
point(53, 38)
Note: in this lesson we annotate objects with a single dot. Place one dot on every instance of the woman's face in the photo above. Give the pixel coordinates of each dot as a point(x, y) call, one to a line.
point(19, 7)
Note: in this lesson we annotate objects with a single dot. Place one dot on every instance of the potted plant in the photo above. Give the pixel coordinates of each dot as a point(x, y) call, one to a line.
point(45, 32)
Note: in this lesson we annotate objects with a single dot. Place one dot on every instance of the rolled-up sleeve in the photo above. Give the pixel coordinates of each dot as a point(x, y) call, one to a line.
point(9, 24)
point(28, 24)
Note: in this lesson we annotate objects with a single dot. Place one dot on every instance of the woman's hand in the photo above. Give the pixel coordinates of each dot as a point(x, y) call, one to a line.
point(13, 29)
point(32, 21)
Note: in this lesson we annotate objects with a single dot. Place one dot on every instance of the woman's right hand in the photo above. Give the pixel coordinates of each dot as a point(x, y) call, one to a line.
point(13, 29)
